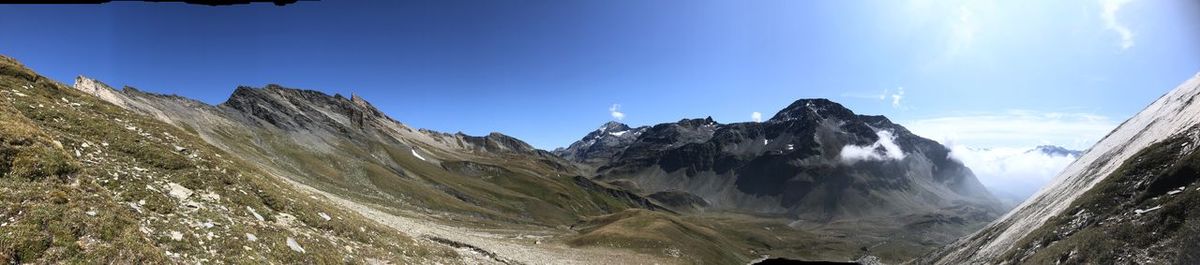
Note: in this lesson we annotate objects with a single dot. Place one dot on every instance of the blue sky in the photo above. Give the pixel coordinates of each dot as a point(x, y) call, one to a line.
point(982, 73)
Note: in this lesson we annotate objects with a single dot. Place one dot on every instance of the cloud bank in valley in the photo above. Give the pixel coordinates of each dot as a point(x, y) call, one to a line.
point(1012, 173)
point(999, 146)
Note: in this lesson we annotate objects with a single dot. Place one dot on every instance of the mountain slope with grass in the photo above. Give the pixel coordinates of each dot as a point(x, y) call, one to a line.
point(346, 146)
point(491, 194)
point(1127, 200)
point(86, 181)
point(817, 182)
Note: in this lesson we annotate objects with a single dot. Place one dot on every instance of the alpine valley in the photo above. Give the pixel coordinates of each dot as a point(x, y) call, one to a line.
point(279, 175)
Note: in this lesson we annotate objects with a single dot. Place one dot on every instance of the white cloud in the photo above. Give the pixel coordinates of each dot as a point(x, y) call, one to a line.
point(1108, 13)
point(897, 97)
point(616, 113)
point(1015, 128)
point(756, 116)
point(962, 30)
point(1013, 173)
point(853, 153)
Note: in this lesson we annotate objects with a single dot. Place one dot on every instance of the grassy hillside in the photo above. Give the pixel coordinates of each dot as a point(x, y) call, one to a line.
point(1143, 213)
point(85, 181)
point(508, 189)
point(658, 233)
point(492, 187)
point(344, 146)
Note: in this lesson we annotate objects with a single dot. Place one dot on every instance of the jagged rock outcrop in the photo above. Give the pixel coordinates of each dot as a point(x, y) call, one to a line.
point(298, 109)
point(496, 142)
point(99, 89)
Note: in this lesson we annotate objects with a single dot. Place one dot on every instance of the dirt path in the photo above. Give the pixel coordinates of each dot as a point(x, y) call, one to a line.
point(478, 247)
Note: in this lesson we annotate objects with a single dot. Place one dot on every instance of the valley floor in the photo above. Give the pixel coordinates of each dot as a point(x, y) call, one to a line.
point(480, 246)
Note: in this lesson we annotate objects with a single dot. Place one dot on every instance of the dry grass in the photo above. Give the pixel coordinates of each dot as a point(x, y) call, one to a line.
point(83, 181)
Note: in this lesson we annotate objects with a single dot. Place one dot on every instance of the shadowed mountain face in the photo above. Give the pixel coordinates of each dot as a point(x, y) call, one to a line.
point(814, 160)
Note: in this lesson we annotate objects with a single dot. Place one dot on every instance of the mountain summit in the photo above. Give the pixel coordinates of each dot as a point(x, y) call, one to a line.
point(815, 162)
point(599, 146)
point(814, 159)
point(813, 109)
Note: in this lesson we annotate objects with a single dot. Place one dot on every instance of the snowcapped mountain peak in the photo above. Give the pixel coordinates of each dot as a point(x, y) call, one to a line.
point(813, 109)
point(612, 126)
point(601, 143)
point(1054, 150)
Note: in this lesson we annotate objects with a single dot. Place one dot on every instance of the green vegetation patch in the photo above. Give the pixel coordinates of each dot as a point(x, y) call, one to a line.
point(84, 181)
point(660, 234)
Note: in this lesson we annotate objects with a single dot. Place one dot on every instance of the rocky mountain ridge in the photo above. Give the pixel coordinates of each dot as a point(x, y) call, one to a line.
point(465, 186)
point(86, 181)
point(792, 155)
point(815, 162)
point(598, 146)
point(825, 169)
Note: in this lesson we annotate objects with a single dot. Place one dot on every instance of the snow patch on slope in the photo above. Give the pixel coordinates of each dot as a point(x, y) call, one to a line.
point(418, 155)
